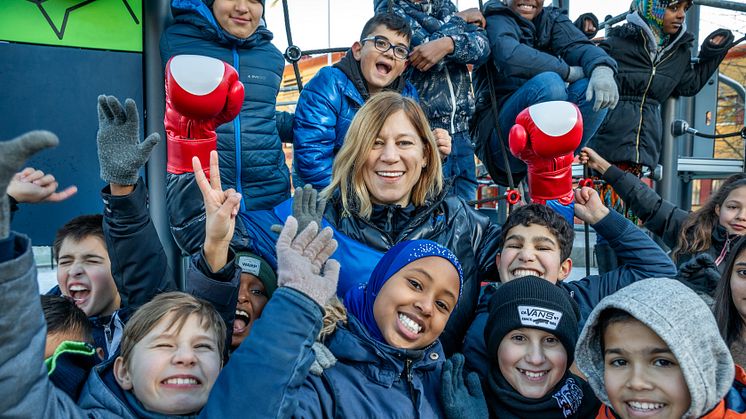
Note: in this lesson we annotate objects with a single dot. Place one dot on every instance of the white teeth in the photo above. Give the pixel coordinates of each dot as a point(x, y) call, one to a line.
point(410, 324)
point(78, 288)
point(242, 313)
point(390, 174)
point(181, 381)
point(531, 374)
point(645, 405)
point(525, 272)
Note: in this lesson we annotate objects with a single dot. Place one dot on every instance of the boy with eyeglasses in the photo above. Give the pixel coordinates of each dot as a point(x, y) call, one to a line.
point(444, 41)
point(331, 99)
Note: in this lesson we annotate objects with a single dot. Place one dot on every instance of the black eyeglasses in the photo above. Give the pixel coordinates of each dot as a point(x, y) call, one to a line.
point(382, 44)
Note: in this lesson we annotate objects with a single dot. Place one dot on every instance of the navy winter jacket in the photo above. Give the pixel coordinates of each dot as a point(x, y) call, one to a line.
point(664, 219)
point(369, 380)
point(251, 156)
point(640, 258)
point(522, 49)
point(445, 89)
point(322, 117)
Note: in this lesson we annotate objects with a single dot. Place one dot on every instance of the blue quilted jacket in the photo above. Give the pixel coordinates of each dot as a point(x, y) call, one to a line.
point(251, 156)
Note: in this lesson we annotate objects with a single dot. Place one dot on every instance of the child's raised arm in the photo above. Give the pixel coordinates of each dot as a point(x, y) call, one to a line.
point(279, 347)
point(138, 262)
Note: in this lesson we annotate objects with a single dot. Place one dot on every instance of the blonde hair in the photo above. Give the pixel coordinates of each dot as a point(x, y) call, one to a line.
point(347, 171)
point(181, 306)
point(334, 312)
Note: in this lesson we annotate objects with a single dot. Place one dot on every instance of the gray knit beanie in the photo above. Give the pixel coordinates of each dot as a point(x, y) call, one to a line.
point(682, 320)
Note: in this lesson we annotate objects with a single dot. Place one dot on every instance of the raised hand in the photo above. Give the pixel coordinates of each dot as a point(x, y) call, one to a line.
point(303, 261)
point(593, 160)
point(221, 209)
point(588, 205)
point(120, 152)
point(700, 272)
point(443, 141)
point(461, 398)
point(13, 153)
point(308, 206)
point(31, 186)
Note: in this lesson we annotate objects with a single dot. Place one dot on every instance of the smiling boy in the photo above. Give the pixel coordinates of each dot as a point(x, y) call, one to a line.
point(643, 358)
point(538, 241)
point(331, 99)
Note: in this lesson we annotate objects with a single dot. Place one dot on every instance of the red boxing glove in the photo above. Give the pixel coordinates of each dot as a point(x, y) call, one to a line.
point(545, 137)
point(202, 93)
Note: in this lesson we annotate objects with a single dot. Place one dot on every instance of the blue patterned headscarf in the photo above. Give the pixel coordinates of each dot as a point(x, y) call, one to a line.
point(359, 300)
point(652, 11)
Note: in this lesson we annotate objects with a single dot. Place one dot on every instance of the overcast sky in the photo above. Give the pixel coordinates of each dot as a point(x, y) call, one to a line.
point(310, 29)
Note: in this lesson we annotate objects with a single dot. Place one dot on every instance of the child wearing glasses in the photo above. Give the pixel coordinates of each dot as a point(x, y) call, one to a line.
point(330, 100)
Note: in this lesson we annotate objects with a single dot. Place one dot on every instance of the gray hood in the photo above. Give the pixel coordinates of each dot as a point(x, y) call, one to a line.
point(676, 314)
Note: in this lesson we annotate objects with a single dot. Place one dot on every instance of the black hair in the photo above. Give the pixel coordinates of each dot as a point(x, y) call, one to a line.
point(608, 317)
point(63, 316)
point(728, 319)
point(544, 216)
point(78, 229)
point(390, 21)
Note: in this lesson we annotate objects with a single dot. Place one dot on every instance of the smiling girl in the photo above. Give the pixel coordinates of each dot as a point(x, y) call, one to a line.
point(389, 359)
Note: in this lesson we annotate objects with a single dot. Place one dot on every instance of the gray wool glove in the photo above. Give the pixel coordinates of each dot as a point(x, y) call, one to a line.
point(308, 206)
point(13, 154)
point(120, 152)
point(324, 358)
point(576, 73)
point(461, 398)
point(603, 86)
point(303, 261)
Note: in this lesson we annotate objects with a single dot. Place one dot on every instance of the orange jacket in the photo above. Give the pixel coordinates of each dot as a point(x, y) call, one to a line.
point(731, 407)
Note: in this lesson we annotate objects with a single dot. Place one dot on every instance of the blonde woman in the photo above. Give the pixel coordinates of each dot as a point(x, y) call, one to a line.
point(387, 187)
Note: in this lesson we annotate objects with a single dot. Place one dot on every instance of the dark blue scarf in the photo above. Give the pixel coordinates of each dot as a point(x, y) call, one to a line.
point(359, 300)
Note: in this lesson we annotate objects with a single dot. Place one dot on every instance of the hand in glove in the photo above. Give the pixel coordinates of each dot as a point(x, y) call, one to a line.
point(303, 261)
point(13, 154)
point(308, 206)
point(603, 86)
point(716, 43)
point(120, 152)
point(576, 73)
point(324, 358)
point(461, 398)
point(699, 273)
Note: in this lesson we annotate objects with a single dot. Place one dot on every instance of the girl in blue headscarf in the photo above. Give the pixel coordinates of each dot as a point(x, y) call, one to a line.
point(385, 341)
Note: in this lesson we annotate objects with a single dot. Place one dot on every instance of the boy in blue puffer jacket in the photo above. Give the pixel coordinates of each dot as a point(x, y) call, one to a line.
point(331, 99)
point(234, 32)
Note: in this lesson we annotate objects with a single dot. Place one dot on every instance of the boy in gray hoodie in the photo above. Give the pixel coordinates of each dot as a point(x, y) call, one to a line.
point(653, 349)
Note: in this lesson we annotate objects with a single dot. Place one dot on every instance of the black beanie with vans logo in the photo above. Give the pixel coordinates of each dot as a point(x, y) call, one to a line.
point(532, 302)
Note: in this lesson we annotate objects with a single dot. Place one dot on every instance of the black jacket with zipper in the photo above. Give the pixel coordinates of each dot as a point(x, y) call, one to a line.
point(647, 77)
point(664, 219)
